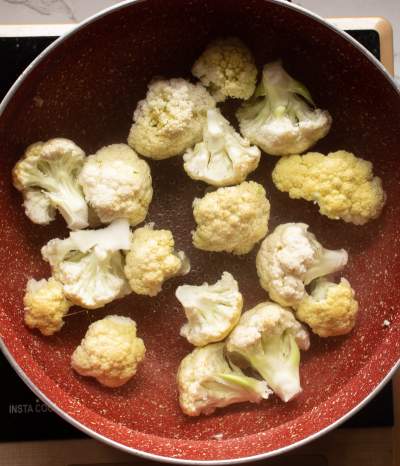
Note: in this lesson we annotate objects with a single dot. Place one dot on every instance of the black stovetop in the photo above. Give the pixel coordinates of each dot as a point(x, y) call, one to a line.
point(23, 416)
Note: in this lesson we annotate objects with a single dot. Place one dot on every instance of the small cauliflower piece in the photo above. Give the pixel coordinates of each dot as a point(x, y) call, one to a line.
point(207, 381)
point(268, 338)
point(89, 264)
point(231, 219)
point(342, 184)
point(330, 310)
point(110, 351)
point(223, 158)
point(212, 310)
point(227, 68)
point(290, 258)
point(45, 305)
point(117, 184)
point(170, 119)
point(281, 118)
point(47, 176)
point(152, 260)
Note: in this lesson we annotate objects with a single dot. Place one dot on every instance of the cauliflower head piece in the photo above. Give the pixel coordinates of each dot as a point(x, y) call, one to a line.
point(227, 69)
point(281, 118)
point(212, 310)
point(151, 260)
point(207, 381)
point(89, 264)
point(223, 158)
point(268, 338)
point(110, 351)
point(45, 305)
point(170, 119)
point(330, 310)
point(290, 258)
point(117, 184)
point(342, 184)
point(47, 175)
point(231, 219)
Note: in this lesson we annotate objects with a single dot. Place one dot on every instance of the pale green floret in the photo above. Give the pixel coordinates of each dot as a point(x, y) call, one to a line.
point(268, 338)
point(223, 158)
point(89, 264)
point(47, 176)
point(207, 381)
point(212, 310)
point(280, 117)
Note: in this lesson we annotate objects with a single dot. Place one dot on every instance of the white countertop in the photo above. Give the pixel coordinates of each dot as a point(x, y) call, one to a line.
point(72, 11)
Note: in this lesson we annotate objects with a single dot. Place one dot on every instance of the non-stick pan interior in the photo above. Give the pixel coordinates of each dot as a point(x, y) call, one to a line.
point(86, 89)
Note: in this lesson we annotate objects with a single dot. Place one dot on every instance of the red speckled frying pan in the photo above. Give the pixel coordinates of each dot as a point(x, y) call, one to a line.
point(85, 87)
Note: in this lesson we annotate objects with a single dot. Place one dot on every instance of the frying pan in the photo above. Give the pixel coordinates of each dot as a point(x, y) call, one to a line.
point(85, 87)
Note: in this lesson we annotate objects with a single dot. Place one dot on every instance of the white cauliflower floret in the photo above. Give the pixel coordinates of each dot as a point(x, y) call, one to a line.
point(290, 258)
point(38, 207)
point(45, 305)
point(231, 219)
point(110, 351)
point(89, 264)
point(342, 184)
point(279, 118)
point(268, 338)
point(330, 310)
point(212, 310)
point(223, 158)
point(47, 176)
point(117, 184)
point(207, 381)
point(152, 260)
point(170, 119)
point(227, 68)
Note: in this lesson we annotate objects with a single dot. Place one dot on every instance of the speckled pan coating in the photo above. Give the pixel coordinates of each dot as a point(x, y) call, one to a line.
point(86, 89)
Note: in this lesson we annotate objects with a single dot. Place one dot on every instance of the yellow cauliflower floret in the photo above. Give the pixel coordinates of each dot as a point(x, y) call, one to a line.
point(227, 68)
point(330, 310)
point(45, 305)
point(117, 184)
point(170, 119)
point(231, 219)
point(152, 260)
point(110, 351)
point(342, 184)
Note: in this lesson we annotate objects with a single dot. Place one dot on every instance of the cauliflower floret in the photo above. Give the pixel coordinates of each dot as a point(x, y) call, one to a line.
point(342, 184)
point(330, 310)
point(212, 310)
point(279, 118)
point(231, 219)
point(227, 68)
point(110, 351)
point(268, 338)
point(38, 207)
point(47, 176)
point(207, 381)
point(152, 260)
point(45, 305)
point(223, 158)
point(170, 119)
point(117, 184)
point(89, 264)
point(290, 258)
